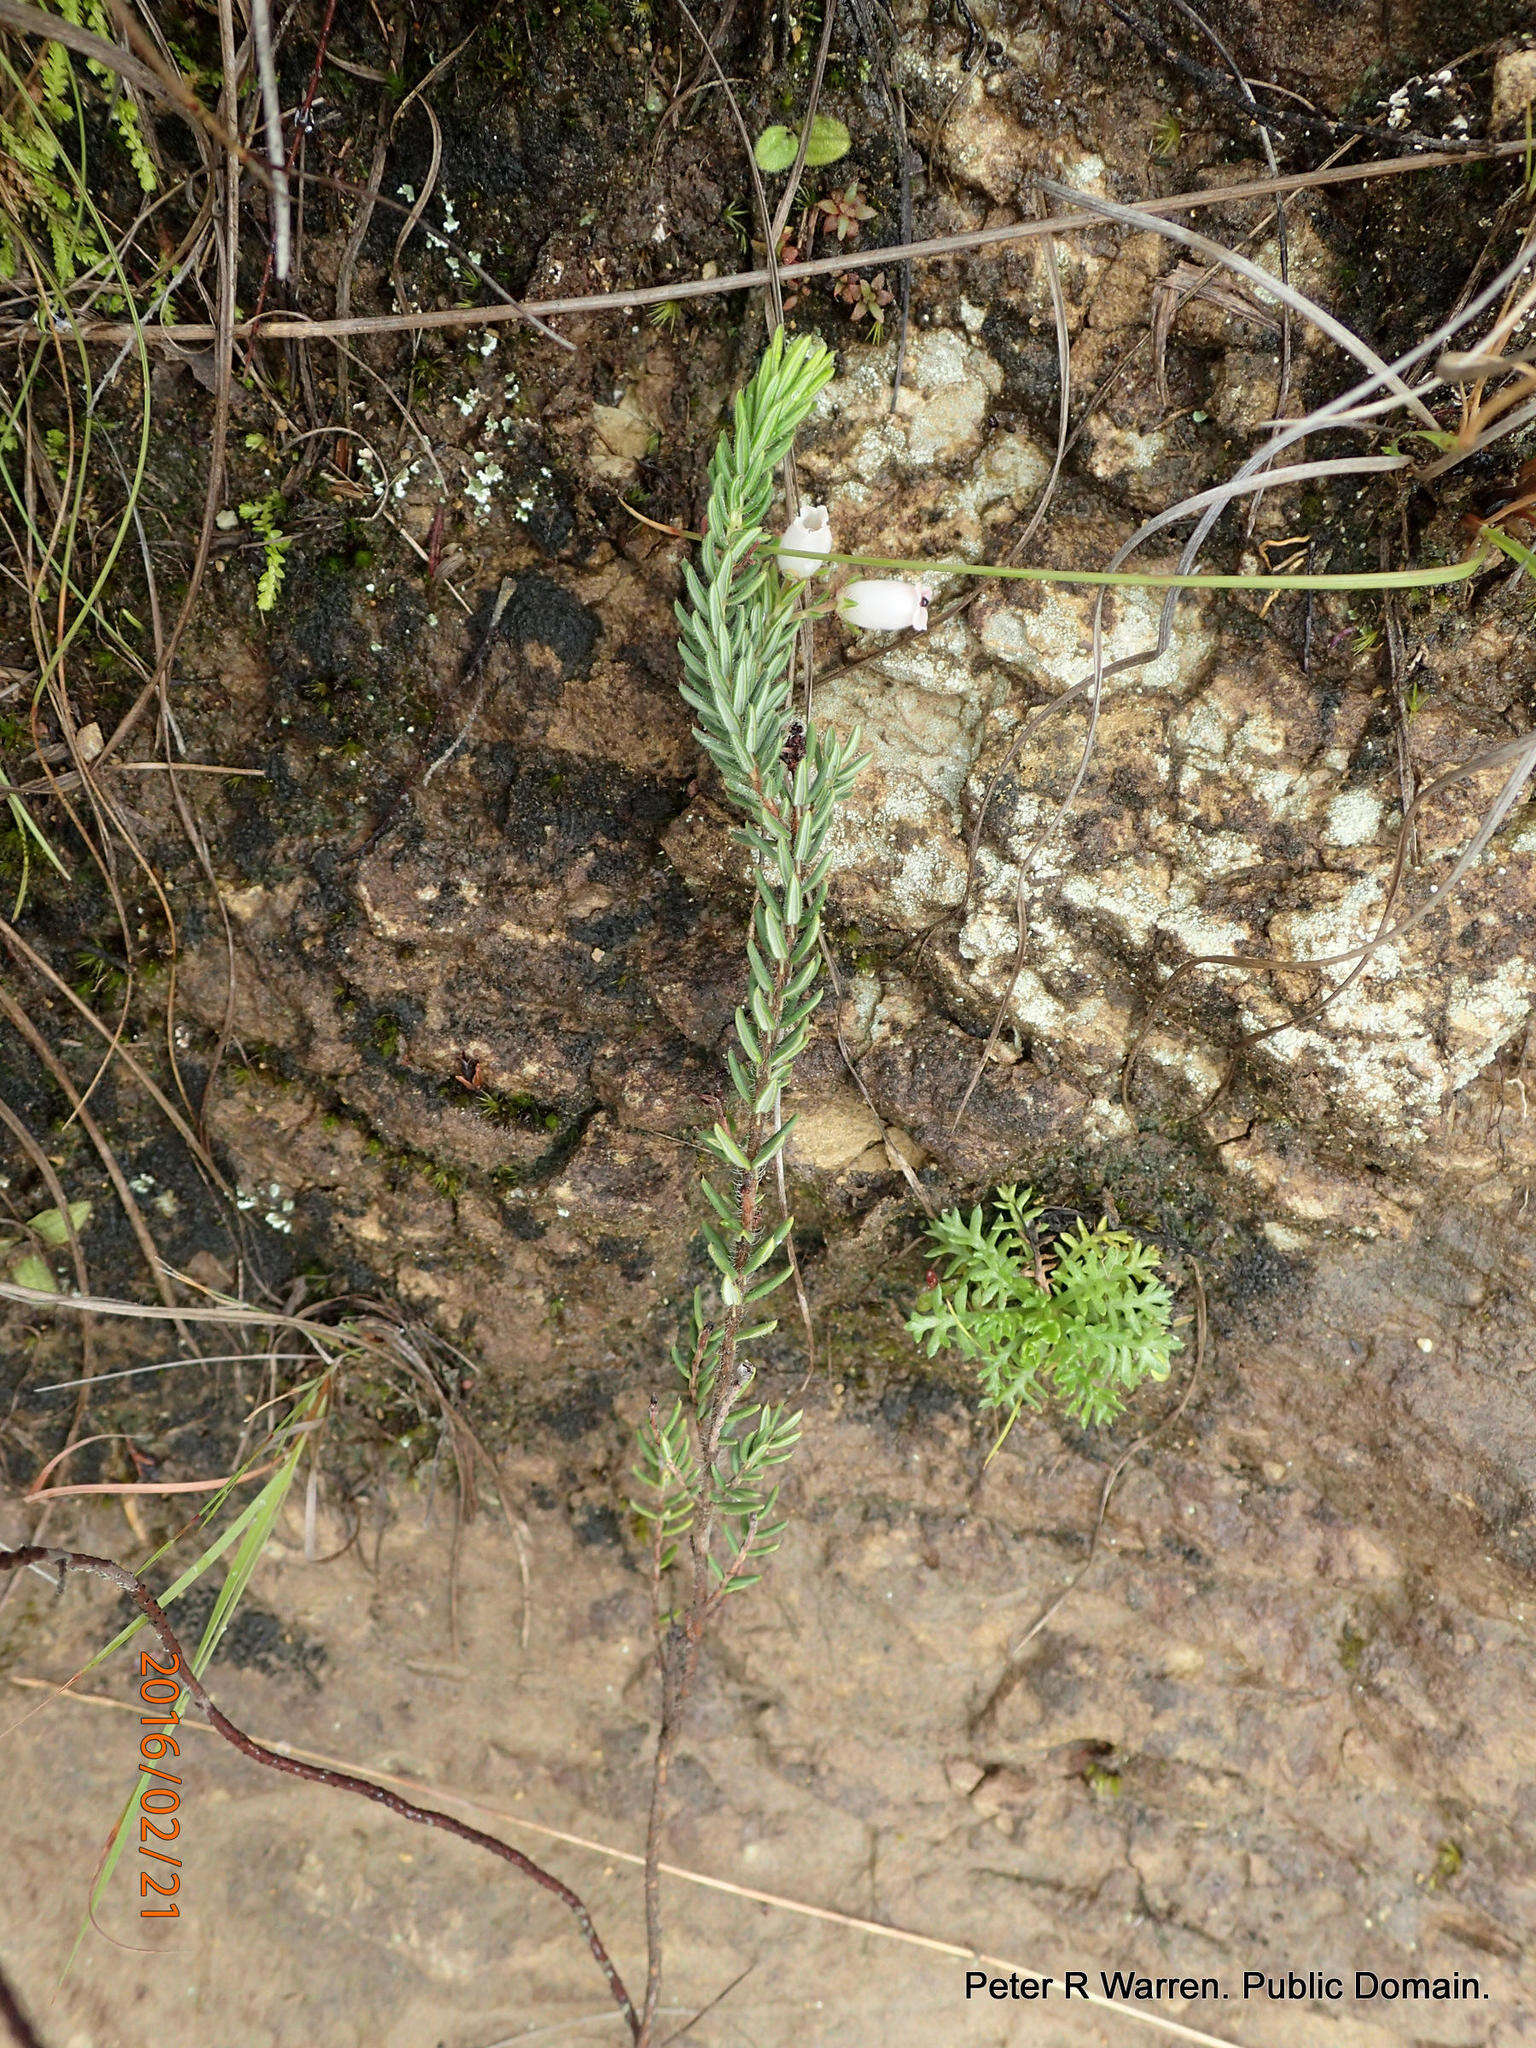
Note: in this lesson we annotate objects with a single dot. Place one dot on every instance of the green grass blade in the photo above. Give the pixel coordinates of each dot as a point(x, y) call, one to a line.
point(254, 1526)
point(220, 1543)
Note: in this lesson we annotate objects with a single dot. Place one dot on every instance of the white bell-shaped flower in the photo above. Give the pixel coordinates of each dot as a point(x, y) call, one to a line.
point(806, 544)
point(886, 604)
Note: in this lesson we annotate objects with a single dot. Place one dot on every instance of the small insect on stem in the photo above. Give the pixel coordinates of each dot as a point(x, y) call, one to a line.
point(793, 752)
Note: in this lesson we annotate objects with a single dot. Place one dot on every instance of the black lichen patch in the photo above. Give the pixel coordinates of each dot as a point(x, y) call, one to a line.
point(584, 1409)
point(256, 1639)
point(542, 613)
point(631, 1255)
point(599, 1528)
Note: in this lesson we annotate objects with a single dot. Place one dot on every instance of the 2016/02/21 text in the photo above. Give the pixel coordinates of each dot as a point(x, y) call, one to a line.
point(158, 1819)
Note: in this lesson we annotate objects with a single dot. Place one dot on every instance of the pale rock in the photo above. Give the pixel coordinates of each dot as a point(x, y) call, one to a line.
point(621, 434)
point(1514, 89)
point(1223, 811)
point(984, 146)
point(831, 1135)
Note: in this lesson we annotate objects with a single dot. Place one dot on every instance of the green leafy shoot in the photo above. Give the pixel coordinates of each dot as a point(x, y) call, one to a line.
point(668, 1472)
point(1085, 1320)
point(709, 1467)
point(264, 515)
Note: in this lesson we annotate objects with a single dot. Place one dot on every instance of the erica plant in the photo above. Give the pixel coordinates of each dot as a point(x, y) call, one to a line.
point(711, 1458)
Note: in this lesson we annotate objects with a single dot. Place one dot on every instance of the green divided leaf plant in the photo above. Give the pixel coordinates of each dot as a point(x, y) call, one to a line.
point(264, 515)
point(1085, 1320)
point(34, 178)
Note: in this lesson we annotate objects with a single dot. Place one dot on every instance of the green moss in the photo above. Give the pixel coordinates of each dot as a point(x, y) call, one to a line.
point(444, 1180)
point(1351, 1647)
point(515, 1109)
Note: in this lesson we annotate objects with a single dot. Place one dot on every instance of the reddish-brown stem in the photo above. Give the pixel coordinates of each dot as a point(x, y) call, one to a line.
point(681, 1641)
point(117, 1575)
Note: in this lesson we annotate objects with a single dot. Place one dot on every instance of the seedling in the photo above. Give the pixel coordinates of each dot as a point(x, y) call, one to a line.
point(777, 147)
point(868, 298)
point(845, 212)
point(1082, 1316)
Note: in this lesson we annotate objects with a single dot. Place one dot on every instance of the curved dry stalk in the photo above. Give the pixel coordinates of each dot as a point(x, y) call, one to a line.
point(292, 328)
point(422, 200)
point(1148, 222)
point(62, 1562)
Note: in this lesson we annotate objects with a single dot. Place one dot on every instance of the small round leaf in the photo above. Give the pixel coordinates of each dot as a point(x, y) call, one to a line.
point(776, 148)
point(829, 141)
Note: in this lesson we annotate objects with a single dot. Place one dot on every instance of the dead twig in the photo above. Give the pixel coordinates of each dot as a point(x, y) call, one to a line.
point(272, 117)
point(294, 328)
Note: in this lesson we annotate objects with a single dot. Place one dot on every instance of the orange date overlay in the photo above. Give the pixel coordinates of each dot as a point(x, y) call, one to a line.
point(158, 1803)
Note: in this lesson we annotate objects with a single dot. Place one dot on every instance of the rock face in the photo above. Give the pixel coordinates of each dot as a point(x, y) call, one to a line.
point(1230, 804)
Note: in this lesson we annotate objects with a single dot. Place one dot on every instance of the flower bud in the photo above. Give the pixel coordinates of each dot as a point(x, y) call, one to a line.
point(886, 604)
point(809, 535)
